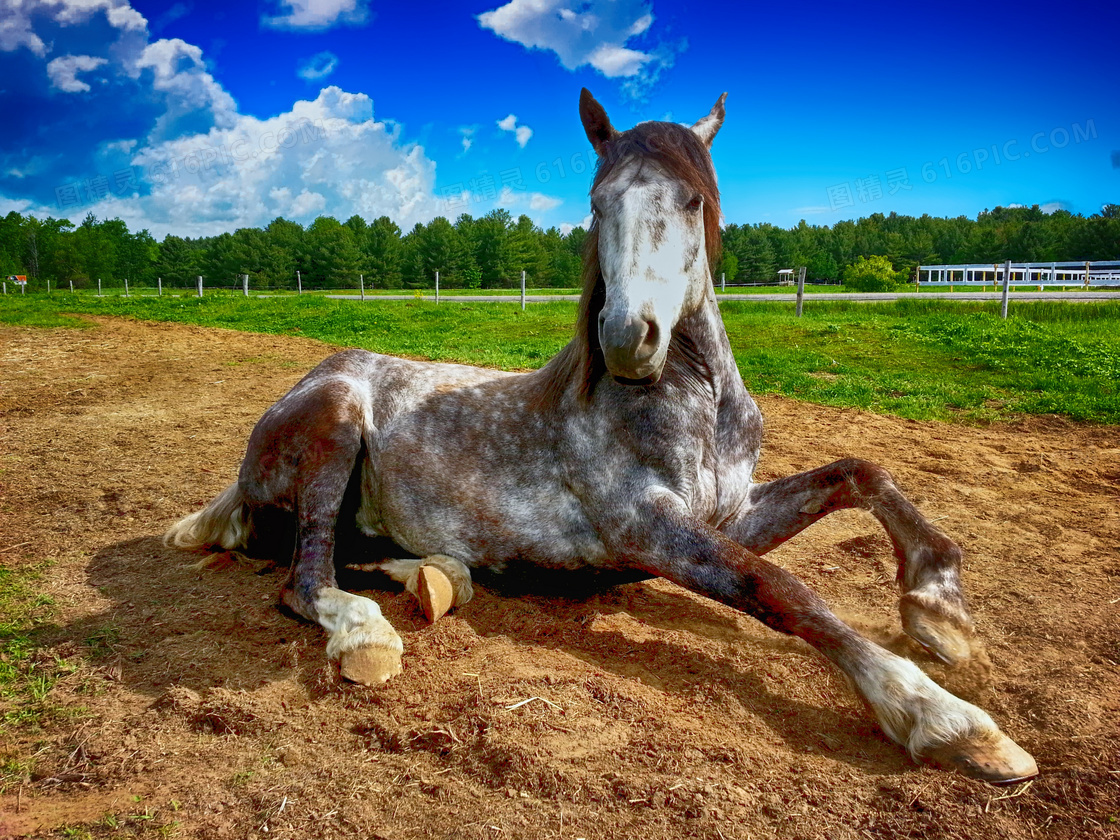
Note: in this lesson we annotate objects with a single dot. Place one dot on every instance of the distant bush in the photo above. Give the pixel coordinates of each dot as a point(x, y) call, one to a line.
point(873, 274)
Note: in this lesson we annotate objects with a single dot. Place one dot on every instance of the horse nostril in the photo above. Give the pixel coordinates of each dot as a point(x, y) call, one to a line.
point(652, 335)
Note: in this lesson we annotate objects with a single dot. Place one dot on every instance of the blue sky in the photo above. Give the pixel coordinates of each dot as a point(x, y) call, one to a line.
point(194, 117)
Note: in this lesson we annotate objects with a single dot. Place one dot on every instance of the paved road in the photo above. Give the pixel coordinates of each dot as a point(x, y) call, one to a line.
point(779, 297)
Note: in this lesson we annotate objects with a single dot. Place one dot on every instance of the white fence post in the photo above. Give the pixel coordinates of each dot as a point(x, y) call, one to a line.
point(723, 281)
point(159, 286)
point(71, 287)
point(99, 287)
point(800, 289)
point(126, 287)
point(200, 285)
point(362, 285)
point(437, 287)
point(299, 283)
point(245, 284)
point(1006, 283)
point(523, 291)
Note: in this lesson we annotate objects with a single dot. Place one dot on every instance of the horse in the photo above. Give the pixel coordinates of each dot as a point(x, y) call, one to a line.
point(629, 455)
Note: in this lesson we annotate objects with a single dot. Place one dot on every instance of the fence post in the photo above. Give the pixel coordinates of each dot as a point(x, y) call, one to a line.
point(1006, 283)
point(437, 287)
point(71, 287)
point(5, 287)
point(48, 285)
point(245, 284)
point(126, 287)
point(917, 277)
point(99, 287)
point(200, 285)
point(299, 283)
point(522, 290)
point(800, 289)
point(1086, 275)
point(159, 286)
point(362, 285)
point(723, 281)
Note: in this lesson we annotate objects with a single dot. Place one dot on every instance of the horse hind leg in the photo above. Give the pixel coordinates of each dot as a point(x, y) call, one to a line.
point(439, 582)
point(932, 604)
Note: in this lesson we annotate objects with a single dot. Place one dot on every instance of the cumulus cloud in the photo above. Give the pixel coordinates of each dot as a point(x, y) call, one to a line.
point(521, 133)
point(317, 15)
point(319, 66)
point(325, 156)
point(595, 33)
point(16, 20)
point(63, 71)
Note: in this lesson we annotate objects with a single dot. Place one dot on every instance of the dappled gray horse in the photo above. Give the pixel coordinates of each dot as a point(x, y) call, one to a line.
point(629, 455)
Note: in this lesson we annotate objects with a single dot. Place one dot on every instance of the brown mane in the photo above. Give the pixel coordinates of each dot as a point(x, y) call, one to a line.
point(680, 153)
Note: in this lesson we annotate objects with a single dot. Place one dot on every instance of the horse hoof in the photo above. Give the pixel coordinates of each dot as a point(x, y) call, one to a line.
point(998, 760)
point(939, 635)
point(435, 592)
point(369, 665)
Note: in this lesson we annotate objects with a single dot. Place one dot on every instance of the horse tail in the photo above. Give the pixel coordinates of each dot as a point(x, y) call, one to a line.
point(225, 522)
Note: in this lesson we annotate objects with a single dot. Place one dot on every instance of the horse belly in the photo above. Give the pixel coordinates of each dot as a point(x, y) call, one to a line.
point(459, 476)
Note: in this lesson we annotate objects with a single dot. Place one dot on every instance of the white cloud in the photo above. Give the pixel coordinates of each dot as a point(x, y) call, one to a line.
point(508, 197)
point(595, 33)
point(466, 135)
point(521, 133)
point(568, 227)
point(316, 15)
point(540, 201)
point(15, 20)
point(63, 71)
point(326, 156)
point(179, 73)
point(319, 66)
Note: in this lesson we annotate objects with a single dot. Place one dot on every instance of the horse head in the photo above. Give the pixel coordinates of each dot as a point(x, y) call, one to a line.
point(654, 234)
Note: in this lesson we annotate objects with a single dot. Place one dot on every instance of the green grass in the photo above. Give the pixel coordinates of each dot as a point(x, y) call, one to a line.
point(920, 359)
point(25, 680)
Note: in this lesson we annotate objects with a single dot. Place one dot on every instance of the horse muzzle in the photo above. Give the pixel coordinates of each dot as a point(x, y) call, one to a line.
point(631, 348)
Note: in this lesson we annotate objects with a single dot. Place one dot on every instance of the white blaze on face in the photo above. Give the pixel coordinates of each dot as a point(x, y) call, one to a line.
point(651, 249)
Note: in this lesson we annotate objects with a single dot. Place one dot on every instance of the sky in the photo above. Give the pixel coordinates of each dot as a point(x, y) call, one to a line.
point(195, 117)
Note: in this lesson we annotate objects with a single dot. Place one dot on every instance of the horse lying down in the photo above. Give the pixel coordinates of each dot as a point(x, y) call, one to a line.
point(630, 454)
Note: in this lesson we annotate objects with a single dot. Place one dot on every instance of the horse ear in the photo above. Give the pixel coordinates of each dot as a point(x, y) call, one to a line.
point(595, 122)
point(706, 128)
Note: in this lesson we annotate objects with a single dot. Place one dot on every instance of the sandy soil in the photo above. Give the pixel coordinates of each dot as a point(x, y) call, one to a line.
point(196, 708)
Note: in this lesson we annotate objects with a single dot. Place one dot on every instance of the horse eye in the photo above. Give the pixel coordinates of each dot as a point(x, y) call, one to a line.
point(695, 203)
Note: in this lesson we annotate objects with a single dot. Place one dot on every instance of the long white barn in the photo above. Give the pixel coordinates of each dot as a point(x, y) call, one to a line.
point(1069, 273)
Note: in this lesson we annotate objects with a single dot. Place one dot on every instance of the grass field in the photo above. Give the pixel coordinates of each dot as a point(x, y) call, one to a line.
point(918, 359)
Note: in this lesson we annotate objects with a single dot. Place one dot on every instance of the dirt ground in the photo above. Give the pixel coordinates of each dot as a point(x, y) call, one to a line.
point(196, 708)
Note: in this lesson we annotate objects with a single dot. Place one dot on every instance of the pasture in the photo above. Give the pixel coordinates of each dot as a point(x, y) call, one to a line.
point(142, 697)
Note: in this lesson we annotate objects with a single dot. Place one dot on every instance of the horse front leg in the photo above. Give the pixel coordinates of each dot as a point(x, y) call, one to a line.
point(931, 723)
point(368, 648)
point(932, 604)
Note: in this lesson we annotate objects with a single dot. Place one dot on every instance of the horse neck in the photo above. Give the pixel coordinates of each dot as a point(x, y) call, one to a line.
point(701, 336)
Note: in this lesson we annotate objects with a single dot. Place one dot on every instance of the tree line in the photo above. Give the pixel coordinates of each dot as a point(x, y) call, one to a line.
point(491, 251)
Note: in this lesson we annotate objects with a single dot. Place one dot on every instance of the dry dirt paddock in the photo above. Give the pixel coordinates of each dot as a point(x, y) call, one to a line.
point(193, 707)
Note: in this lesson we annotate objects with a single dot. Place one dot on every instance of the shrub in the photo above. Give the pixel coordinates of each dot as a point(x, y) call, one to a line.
point(875, 274)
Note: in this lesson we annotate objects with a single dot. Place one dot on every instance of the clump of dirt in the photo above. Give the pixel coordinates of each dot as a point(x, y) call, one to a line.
point(191, 703)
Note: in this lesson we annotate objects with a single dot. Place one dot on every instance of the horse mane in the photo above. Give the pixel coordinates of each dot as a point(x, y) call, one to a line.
point(679, 153)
